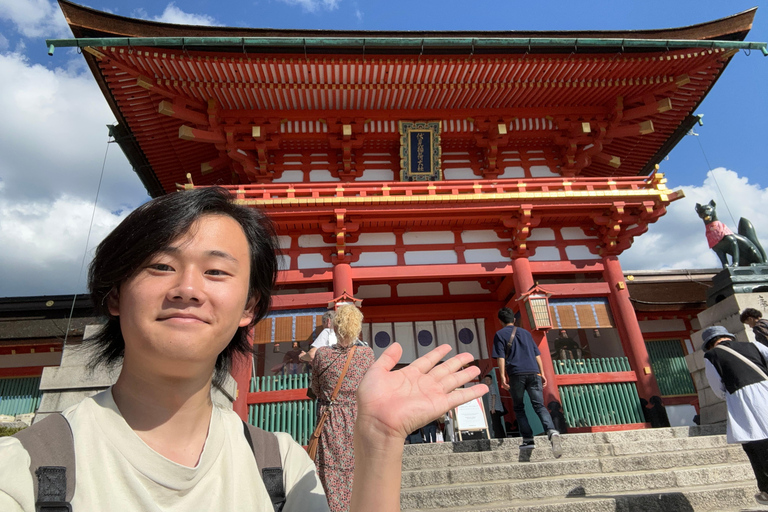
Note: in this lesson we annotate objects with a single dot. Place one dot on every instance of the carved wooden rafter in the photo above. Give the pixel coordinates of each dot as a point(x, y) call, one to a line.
point(346, 135)
point(518, 228)
point(340, 231)
point(491, 135)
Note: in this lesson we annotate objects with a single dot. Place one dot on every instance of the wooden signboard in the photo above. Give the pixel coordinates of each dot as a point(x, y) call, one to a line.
point(471, 417)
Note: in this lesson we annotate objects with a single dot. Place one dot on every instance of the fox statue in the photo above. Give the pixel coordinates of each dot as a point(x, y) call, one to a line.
point(744, 248)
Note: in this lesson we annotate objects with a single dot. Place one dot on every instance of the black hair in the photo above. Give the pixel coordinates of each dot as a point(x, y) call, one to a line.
point(507, 316)
point(750, 313)
point(151, 228)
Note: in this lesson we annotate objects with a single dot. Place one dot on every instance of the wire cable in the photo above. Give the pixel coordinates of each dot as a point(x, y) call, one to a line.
point(87, 241)
point(711, 172)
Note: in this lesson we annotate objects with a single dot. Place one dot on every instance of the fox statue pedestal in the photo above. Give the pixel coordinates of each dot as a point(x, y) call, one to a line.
point(726, 312)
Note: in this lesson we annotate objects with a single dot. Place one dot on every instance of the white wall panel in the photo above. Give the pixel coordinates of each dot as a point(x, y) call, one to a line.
point(428, 237)
point(545, 254)
point(419, 289)
point(313, 241)
point(459, 174)
point(513, 172)
point(446, 335)
point(375, 239)
point(312, 261)
point(290, 177)
point(480, 236)
point(484, 256)
point(579, 252)
point(377, 175)
point(542, 171)
point(284, 242)
point(431, 257)
point(542, 234)
point(321, 175)
point(376, 259)
point(466, 288)
point(372, 291)
point(572, 233)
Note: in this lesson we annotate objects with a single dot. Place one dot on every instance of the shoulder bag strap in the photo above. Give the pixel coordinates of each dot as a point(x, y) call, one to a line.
point(509, 342)
point(266, 451)
point(51, 449)
point(321, 421)
point(745, 360)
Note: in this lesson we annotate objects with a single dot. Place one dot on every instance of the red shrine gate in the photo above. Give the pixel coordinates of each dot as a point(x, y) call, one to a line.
point(436, 176)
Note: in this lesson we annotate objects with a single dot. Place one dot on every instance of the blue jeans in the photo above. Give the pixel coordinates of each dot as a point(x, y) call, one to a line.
point(518, 385)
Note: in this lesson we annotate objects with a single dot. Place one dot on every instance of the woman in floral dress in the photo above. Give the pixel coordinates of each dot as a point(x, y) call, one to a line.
point(335, 454)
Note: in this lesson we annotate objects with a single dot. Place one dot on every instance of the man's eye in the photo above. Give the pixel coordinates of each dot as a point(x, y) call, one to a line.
point(161, 267)
point(216, 272)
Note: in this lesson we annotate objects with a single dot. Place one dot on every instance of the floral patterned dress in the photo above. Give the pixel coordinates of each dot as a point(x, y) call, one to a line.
point(335, 459)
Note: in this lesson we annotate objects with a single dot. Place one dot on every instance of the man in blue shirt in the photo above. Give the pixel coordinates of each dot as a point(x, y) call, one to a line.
point(521, 370)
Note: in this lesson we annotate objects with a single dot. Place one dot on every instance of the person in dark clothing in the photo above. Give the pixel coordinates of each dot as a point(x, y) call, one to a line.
point(738, 373)
point(759, 325)
point(521, 370)
point(429, 432)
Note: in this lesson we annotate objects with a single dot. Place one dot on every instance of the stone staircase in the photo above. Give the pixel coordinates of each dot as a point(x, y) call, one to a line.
point(678, 469)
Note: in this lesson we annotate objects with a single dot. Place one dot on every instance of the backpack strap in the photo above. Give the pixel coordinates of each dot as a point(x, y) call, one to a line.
point(51, 449)
point(266, 451)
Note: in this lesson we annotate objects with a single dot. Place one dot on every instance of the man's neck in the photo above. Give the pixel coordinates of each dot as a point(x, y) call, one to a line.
point(170, 415)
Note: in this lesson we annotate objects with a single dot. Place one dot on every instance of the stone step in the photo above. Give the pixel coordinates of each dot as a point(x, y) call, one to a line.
point(490, 467)
point(560, 486)
point(737, 496)
point(574, 447)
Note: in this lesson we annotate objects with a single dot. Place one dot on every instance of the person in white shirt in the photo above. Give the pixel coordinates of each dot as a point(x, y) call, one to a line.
point(181, 281)
point(326, 338)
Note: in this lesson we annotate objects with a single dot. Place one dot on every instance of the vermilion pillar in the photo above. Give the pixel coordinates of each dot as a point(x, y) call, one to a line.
point(241, 372)
point(523, 279)
point(629, 328)
point(342, 279)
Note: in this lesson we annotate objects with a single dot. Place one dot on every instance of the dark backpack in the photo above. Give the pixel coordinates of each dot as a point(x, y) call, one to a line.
point(51, 449)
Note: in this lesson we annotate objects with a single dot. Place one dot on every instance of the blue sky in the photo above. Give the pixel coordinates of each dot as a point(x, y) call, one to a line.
point(53, 138)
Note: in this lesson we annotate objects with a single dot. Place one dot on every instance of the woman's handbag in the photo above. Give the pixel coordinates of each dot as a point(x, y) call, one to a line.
point(315, 439)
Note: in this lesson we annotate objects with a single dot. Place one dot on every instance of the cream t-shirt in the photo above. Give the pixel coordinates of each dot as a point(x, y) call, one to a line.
point(116, 470)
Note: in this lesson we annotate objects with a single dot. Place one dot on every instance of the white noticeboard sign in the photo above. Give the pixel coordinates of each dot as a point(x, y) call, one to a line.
point(471, 416)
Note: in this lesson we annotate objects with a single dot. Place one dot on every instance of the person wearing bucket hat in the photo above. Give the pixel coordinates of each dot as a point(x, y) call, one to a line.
point(738, 373)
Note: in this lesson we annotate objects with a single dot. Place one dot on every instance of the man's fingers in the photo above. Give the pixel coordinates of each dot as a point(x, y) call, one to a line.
point(452, 365)
point(463, 395)
point(458, 379)
point(389, 358)
point(426, 362)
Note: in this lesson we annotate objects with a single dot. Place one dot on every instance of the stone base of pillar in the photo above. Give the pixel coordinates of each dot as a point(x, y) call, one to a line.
point(712, 410)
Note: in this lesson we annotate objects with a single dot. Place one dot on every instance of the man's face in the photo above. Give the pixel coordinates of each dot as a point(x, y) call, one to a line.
point(752, 322)
point(182, 307)
point(563, 333)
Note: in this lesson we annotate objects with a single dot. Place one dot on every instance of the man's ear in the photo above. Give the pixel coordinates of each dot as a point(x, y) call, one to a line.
point(113, 302)
point(248, 312)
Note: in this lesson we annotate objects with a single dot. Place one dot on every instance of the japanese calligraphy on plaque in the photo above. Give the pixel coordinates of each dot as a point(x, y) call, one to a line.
point(420, 151)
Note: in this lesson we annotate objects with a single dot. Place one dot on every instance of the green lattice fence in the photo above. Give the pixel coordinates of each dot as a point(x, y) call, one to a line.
point(19, 395)
point(294, 417)
point(669, 367)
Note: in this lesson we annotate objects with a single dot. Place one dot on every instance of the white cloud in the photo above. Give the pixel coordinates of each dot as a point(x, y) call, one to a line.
point(359, 14)
point(173, 14)
point(35, 18)
point(53, 140)
point(314, 5)
point(677, 240)
point(44, 242)
point(4, 44)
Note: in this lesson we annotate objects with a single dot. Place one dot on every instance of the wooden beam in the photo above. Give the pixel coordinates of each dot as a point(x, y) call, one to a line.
point(169, 108)
point(594, 378)
point(268, 397)
point(648, 110)
point(189, 133)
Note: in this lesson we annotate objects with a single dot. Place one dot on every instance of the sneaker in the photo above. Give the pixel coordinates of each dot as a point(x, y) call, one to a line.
point(762, 498)
point(557, 447)
point(528, 444)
